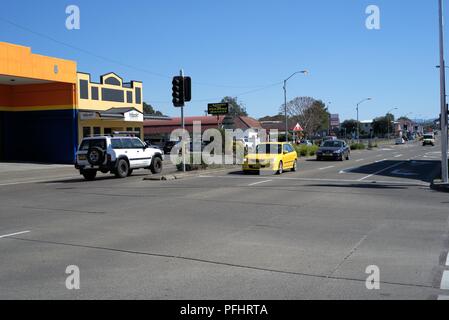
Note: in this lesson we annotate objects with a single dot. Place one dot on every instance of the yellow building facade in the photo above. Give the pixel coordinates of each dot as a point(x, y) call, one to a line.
point(109, 105)
point(47, 104)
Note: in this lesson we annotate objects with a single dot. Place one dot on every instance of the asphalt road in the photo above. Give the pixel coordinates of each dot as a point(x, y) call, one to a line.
point(304, 235)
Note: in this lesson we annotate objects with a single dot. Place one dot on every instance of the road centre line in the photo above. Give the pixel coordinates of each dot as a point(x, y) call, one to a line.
point(260, 182)
point(447, 260)
point(14, 234)
point(383, 170)
point(330, 167)
point(360, 160)
point(399, 155)
point(378, 161)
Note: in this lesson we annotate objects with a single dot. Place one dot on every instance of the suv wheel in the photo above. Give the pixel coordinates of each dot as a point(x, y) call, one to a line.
point(95, 156)
point(122, 170)
point(130, 172)
point(89, 175)
point(156, 166)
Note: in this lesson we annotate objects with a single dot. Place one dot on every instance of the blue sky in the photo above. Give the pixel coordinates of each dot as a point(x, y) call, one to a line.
point(231, 47)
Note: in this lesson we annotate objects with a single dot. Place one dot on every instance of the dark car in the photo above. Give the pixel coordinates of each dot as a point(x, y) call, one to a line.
point(168, 146)
point(333, 150)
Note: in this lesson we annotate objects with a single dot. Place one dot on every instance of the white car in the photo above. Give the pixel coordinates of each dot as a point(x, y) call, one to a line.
point(119, 155)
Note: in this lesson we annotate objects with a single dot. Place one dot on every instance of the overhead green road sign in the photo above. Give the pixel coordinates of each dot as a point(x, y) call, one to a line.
point(218, 109)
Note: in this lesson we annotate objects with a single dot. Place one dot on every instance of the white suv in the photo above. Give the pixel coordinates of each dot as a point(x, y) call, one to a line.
point(119, 155)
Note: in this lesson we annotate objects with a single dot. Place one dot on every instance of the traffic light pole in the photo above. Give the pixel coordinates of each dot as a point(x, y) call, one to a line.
point(183, 130)
point(443, 120)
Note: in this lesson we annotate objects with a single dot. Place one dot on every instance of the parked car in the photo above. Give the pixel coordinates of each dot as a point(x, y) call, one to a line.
point(330, 138)
point(428, 139)
point(333, 150)
point(168, 145)
point(306, 143)
point(117, 155)
point(274, 156)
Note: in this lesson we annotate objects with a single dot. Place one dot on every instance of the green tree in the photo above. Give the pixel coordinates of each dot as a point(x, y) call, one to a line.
point(236, 108)
point(311, 114)
point(149, 110)
point(383, 125)
point(349, 126)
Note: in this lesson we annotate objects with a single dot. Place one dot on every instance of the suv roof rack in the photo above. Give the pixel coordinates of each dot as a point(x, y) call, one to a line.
point(125, 133)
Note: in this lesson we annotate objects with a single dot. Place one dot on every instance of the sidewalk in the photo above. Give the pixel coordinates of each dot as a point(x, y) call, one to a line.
point(18, 173)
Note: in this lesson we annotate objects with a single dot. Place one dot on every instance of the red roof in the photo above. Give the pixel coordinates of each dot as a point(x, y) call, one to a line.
point(207, 122)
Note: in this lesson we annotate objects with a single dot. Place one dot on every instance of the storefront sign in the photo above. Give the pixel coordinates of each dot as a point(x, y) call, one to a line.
point(218, 109)
point(134, 116)
point(88, 115)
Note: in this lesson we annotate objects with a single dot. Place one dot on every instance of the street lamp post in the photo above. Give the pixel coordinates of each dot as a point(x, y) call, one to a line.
point(285, 101)
point(358, 124)
point(444, 125)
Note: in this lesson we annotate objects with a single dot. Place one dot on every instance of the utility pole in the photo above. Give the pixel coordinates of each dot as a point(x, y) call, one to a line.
point(443, 121)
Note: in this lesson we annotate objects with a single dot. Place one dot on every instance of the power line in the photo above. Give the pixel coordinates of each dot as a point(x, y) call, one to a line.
point(155, 74)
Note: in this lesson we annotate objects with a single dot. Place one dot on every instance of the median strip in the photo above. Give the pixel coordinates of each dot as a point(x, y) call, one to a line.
point(383, 170)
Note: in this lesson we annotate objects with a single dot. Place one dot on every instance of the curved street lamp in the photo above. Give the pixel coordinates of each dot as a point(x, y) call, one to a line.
point(305, 72)
point(358, 123)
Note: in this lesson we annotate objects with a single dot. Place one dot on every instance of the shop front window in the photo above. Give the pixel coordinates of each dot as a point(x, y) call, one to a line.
point(86, 132)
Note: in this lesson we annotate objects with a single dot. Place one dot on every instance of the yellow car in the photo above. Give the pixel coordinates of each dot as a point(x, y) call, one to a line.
point(274, 156)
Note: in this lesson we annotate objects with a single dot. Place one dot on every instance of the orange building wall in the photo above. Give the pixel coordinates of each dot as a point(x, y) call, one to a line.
point(5, 96)
point(19, 61)
point(35, 97)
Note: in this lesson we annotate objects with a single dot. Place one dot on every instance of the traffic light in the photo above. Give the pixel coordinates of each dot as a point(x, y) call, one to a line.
point(187, 89)
point(178, 91)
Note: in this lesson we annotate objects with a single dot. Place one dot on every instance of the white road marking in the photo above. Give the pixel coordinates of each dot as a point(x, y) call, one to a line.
point(360, 160)
point(327, 168)
point(383, 170)
point(14, 234)
point(404, 183)
point(447, 260)
point(440, 297)
point(445, 281)
point(348, 170)
point(260, 182)
point(399, 155)
point(378, 161)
